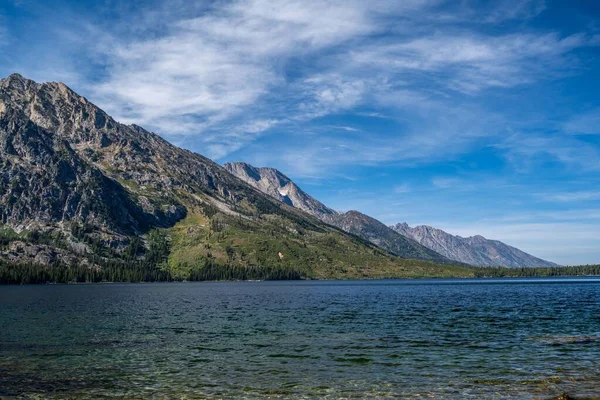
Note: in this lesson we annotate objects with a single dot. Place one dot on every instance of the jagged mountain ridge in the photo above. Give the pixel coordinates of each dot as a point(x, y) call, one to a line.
point(399, 239)
point(44, 121)
point(279, 186)
point(378, 233)
point(88, 188)
point(474, 250)
point(44, 180)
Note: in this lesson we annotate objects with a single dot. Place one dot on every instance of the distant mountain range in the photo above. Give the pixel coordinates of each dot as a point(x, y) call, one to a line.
point(474, 250)
point(421, 242)
point(279, 186)
point(83, 197)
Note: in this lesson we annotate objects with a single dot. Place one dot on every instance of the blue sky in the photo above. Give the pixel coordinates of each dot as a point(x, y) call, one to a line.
point(477, 117)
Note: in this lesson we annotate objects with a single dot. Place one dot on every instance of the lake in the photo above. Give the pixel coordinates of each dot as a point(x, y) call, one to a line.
point(494, 339)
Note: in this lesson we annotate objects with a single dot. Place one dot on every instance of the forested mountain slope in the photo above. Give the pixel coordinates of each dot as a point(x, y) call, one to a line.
point(274, 183)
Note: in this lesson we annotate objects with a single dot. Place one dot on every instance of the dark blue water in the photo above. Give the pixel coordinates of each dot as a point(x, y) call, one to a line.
point(340, 339)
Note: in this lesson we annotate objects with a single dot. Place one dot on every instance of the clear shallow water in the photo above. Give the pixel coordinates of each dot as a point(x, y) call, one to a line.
point(329, 339)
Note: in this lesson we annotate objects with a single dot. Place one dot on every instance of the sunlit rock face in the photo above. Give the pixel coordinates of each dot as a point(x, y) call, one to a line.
point(279, 186)
point(474, 250)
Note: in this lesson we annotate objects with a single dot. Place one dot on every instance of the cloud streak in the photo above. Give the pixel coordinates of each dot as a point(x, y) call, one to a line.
point(213, 71)
point(473, 62)
point(573, 196)
point(226, 60)
point(584, 124)
point(528, 151)
point(3, 32)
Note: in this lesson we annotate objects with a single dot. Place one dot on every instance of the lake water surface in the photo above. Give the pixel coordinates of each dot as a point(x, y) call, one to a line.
point(445, 339)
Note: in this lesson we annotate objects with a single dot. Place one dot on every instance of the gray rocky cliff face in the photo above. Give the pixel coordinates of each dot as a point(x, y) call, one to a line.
point(63, 161)
point(378, 233)
point(44, 180)
point(474, 250)
point(127, 153)
point(272, 182)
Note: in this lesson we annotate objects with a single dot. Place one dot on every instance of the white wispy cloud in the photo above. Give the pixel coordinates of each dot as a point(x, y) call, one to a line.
point(514, 9)
point(344, 128)
point(584, 124)
point(585, 214)
point(472, 182)
point(324, 94)
point(529, 150)
point(421, 140)
point(224, 142)
point(484, 12)
point(472, 62)
point(450, 183)
point(212, 71)
point(230, 57)
point(372, 114)
point(3, 31)
point(573, 196)
point(402, 188)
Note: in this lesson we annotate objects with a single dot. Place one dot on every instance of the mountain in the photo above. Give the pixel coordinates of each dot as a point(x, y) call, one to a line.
point(422, 242)
point(272, 182)
point(474, 250)
point(378, 233)
point(83, 197)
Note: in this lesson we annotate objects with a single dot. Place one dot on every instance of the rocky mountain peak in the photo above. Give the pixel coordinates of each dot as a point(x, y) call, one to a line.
point(478, 238)
point(15, 80)
point(474, 250)
point(64, 161)
point(249, 170)
point(277, 185)
point(356, 214)
point(58, 109)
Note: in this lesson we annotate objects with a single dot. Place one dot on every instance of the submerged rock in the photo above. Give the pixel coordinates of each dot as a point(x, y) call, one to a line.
point(566, 396)
point(570, 339)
